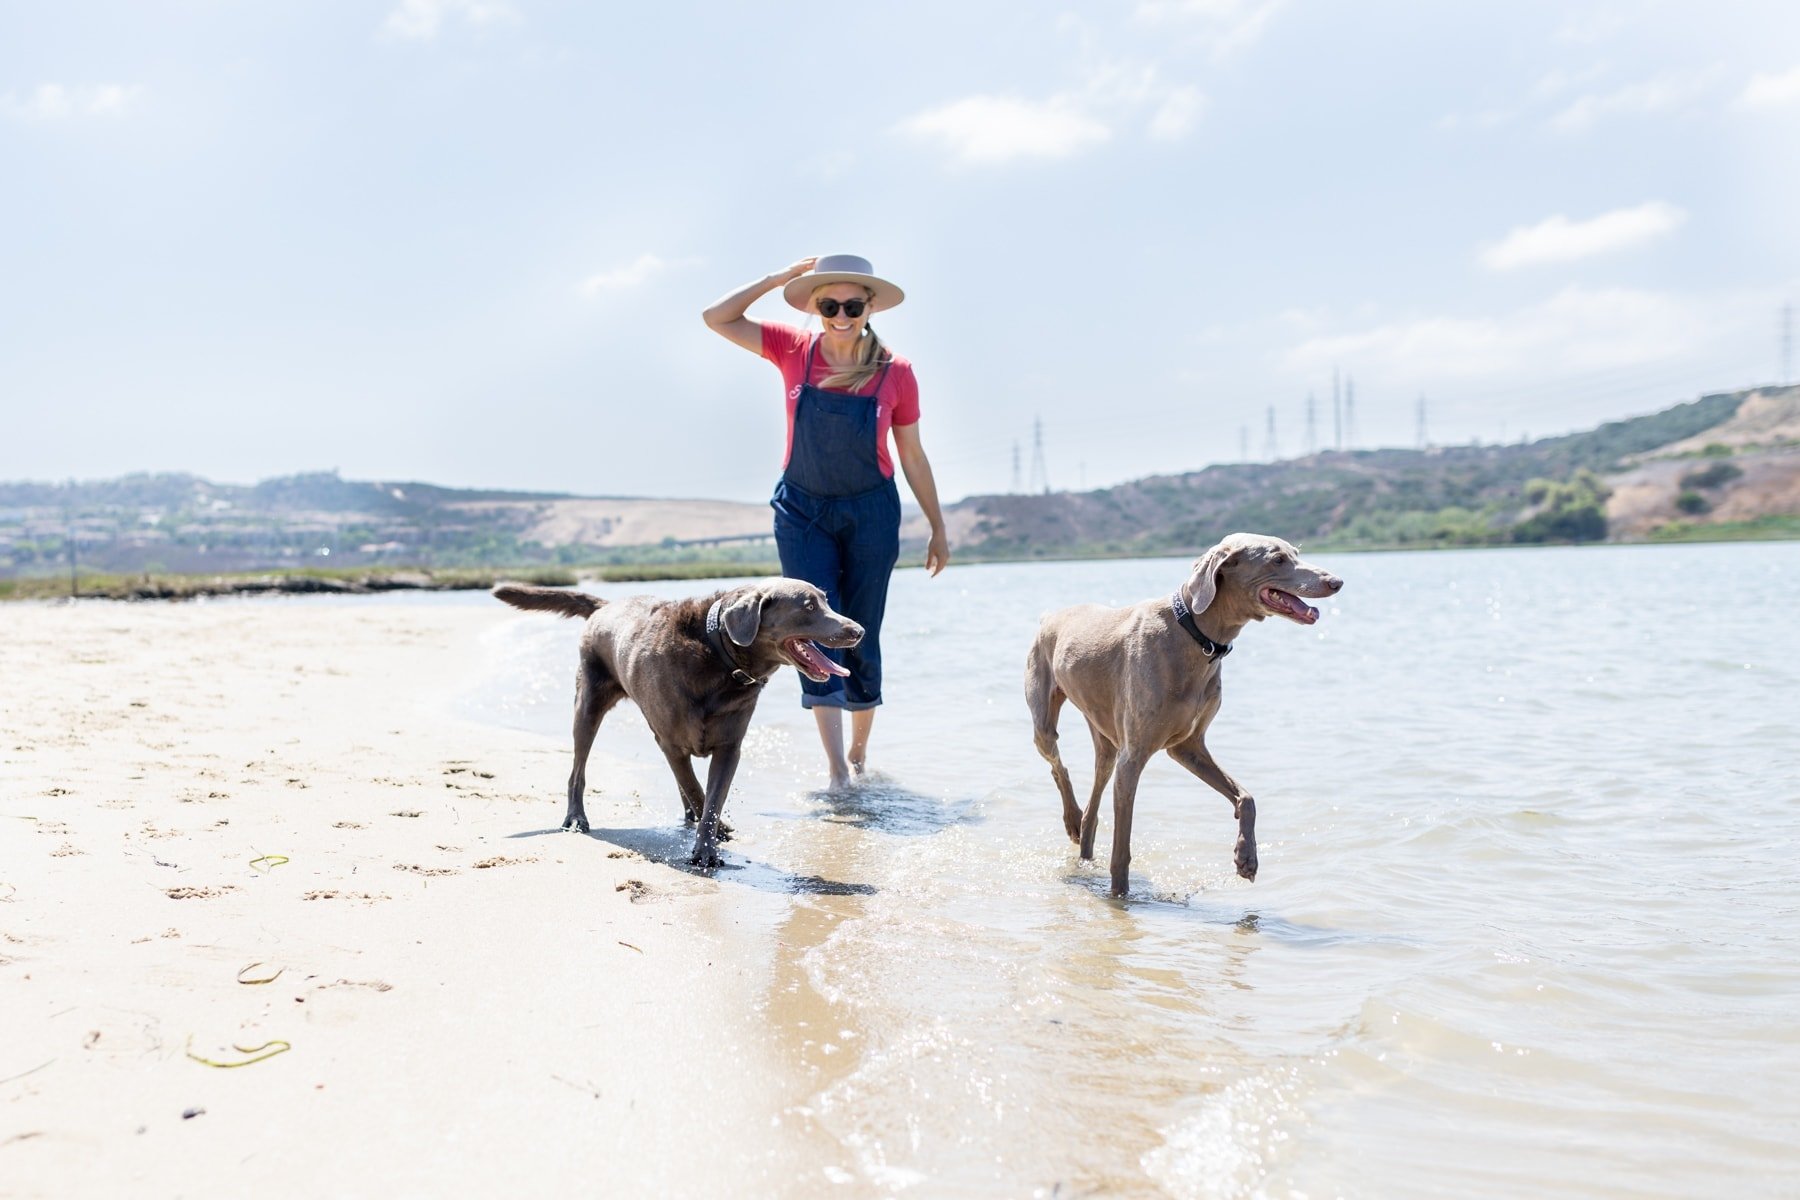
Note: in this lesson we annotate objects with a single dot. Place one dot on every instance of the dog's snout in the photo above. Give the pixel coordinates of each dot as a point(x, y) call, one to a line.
point(1334, 584)
point(853, 633)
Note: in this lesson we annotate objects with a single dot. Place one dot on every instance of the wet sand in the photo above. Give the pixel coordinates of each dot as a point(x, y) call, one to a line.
point(475, 1002)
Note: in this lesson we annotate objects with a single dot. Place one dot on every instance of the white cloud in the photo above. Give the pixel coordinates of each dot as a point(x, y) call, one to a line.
point(1663, 94)
point(987, 130)
point(1576, 329)
point(1227, 26)
point(633, 274)
point(1771, 91)
point(1558, 239)
point(992, 130)
point(423, 19)
point(56, 101)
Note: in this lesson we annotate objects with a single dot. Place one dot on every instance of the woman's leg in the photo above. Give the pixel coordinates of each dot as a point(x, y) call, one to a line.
point(831, 736)
point(811, 553)
point(861, 722)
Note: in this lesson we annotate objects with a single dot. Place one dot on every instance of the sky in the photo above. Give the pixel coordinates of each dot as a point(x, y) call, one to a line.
point(468, 242)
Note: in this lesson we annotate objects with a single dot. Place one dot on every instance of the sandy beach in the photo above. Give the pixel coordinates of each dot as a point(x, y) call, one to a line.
point(199, 797)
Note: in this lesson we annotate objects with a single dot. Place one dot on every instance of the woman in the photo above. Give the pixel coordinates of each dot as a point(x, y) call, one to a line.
point(837, 511)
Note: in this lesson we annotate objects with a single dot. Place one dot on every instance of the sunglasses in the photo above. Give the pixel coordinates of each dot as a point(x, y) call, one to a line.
point(853, 309)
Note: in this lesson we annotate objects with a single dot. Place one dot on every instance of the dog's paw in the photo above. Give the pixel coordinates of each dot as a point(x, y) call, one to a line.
point(578, 824)
point(705, 856)
point(725, 832)
point(1246, 859)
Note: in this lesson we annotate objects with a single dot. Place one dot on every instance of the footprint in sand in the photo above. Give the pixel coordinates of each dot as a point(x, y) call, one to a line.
point(199, 893)
point(500, 860)
point(636, 887)
point(333, 894)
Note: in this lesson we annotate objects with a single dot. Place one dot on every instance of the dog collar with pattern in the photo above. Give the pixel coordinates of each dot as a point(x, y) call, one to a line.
point(1185, 618)
point(721, 644)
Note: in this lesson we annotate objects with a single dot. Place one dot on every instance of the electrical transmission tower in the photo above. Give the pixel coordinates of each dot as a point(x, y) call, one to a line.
point(1040, 474)
point(1312, 426)
point(1018, 479)
point(1349, 412)
point(1271, 447)
point(1337, 412)
point(1420, 437)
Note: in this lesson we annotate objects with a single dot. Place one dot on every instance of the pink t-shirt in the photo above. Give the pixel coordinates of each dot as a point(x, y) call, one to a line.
point(898, 400)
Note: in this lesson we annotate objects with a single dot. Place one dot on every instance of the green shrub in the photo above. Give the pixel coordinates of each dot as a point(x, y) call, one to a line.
point(1574, 511)
point(1692, 503)
point(1712, 475)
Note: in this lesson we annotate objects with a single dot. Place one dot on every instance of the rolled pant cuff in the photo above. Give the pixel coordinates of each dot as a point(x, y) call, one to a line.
point(839, 700)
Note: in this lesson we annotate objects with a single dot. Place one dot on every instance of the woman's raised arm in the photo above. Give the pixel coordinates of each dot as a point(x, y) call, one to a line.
point(726, 315)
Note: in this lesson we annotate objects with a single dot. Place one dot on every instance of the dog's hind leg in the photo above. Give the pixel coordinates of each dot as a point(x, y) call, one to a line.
point(1105, 756)
point(595, 692)
point(1045, 700)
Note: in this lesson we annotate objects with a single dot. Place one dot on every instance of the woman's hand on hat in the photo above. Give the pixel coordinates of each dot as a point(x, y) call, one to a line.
point(797, 270)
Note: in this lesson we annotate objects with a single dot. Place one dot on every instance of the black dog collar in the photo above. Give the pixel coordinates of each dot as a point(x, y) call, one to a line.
point(721, 644)
point(1213, 649)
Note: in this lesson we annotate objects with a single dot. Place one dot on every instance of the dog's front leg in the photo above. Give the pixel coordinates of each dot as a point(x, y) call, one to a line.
point(1193, 755)
point(1131, 765)
point(718, 784)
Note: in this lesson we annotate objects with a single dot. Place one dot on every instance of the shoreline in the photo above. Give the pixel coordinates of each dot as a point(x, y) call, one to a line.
point(356, 582)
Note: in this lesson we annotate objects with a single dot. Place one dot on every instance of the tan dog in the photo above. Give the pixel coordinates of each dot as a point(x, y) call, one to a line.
point(696, 669)
point(1147, 679)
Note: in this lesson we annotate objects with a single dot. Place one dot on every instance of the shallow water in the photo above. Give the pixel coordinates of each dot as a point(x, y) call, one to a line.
point(1527, 920)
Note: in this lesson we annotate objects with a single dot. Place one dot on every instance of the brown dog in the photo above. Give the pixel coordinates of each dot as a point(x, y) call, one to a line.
point(696, 669)
point(1147, 679)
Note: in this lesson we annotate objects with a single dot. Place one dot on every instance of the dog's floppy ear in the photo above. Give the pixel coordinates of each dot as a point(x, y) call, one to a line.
point(1203, 584)
point(743, 616)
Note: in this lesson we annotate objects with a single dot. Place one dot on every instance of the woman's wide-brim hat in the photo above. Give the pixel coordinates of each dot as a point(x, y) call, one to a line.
point(842, 268)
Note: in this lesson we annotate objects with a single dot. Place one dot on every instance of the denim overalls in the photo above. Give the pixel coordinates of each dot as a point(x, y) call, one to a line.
point(837, 526)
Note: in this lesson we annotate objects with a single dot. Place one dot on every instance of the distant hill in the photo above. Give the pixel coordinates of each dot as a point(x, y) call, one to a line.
point(1725, 465)
point(176, 523)
point(1624, 480)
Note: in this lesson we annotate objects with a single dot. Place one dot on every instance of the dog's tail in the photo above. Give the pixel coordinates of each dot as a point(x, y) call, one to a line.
point(543, 599)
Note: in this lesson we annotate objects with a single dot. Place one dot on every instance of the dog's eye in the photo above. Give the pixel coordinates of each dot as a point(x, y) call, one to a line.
point(811, 604)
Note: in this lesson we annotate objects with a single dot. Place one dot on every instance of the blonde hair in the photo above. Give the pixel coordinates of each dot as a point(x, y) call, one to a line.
point(871, 356)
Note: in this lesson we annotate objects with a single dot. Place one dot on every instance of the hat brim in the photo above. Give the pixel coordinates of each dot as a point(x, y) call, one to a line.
point(798, 292)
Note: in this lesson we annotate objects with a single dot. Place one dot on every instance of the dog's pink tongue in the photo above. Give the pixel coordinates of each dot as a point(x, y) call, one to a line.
point(815, 658)
point(1297, 608)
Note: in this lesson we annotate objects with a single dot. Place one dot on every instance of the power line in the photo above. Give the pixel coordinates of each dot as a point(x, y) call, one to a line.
point(1312, 427)
point(1018, 479)
point(1349, 412)
point(1271, 447)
